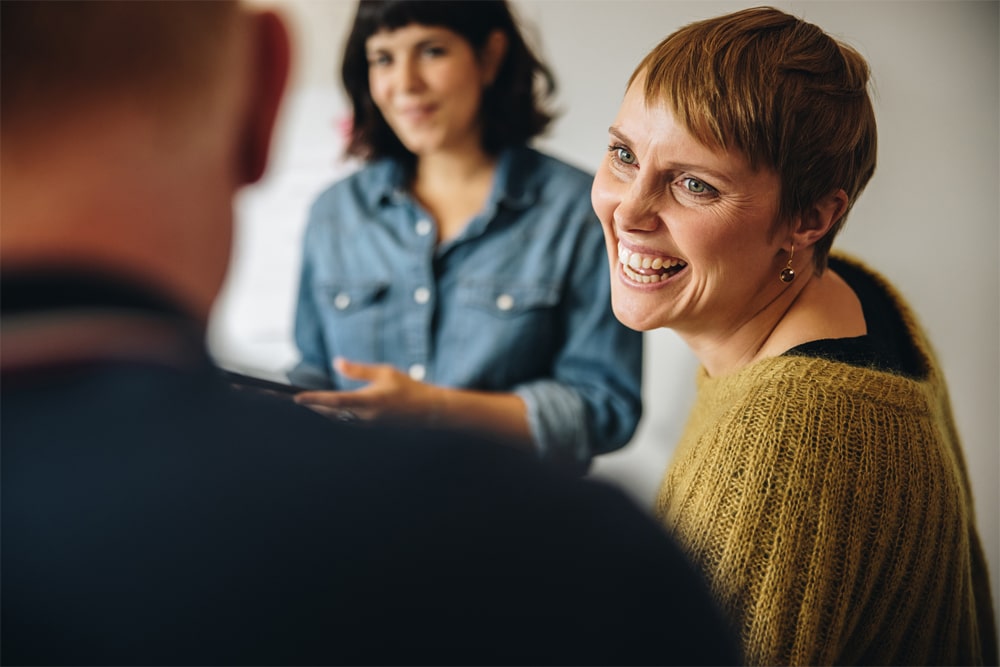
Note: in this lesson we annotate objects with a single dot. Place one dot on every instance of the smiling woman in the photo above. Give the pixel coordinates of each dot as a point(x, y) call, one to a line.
point(820, 482)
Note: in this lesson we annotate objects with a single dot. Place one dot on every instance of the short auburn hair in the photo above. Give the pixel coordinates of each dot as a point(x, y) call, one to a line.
point(779, 90)
point(512, 110)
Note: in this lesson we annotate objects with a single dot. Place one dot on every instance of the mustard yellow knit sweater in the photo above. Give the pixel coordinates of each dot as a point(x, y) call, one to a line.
point(830, 509)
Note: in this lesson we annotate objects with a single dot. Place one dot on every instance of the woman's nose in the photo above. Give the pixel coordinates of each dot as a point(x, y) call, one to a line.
point(408, 76)
point(638, 210)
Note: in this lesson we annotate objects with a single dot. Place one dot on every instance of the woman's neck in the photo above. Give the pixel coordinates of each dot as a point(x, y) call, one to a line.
point(453, 186)
point(450, 168)
point(822, 307)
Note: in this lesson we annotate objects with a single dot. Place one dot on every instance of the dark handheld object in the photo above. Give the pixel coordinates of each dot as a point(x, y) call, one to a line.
point(258, 384)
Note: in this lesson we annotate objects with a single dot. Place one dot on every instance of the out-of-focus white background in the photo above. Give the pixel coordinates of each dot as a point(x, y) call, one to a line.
point(929, 219)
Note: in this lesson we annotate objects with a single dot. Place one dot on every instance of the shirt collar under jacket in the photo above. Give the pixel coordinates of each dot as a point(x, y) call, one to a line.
point(514, 185)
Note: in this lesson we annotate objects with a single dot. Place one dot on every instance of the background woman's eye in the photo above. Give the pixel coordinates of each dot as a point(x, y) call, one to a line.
point(625, 155)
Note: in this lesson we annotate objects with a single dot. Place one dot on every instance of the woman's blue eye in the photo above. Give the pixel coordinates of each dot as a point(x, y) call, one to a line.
point(624, 155)
point(694, 186)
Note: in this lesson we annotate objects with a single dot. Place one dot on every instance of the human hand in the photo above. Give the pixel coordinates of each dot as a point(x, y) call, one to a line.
point(390, 395)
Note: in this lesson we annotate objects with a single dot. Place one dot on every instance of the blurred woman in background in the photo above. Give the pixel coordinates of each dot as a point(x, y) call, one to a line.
point(457, 278)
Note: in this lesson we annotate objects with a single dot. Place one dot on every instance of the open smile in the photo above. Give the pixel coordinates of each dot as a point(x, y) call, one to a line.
point(647, 269)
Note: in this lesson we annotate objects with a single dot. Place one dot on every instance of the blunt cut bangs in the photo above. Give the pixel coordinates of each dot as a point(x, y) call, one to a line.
point(780, 91)
point(512, 110)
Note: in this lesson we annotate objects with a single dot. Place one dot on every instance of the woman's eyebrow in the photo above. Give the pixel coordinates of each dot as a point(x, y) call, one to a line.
point(618, 134)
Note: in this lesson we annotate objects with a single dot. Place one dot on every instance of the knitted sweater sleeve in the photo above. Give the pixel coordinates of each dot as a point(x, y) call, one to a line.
point(827, 511)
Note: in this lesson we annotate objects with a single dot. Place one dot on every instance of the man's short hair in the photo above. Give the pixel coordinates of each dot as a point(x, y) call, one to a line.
point(55, 55)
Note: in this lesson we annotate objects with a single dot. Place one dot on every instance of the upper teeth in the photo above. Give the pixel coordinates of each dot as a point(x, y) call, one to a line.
point(638, 261)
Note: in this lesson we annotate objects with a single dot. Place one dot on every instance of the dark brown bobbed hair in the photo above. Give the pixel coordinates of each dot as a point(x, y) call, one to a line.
point(512, 110)
point(779, 90)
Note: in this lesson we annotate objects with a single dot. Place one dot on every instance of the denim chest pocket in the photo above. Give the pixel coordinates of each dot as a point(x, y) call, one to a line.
point(352, 314)
point(508, 301)
point(516, 325)
point(347, 299)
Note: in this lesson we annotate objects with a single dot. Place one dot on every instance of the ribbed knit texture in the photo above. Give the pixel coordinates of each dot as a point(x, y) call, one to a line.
point(830, 509)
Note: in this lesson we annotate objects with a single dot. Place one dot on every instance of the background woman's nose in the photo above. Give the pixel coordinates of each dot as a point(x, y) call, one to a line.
point(408, 74)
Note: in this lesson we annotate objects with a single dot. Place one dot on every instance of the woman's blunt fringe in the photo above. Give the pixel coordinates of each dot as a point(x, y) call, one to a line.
point(513, 109)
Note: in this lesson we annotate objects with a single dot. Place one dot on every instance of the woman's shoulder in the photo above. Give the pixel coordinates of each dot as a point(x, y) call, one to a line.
point(893, 324)
point(803, 383)
point(360, 185)
point(820, 410)
point(548, 171)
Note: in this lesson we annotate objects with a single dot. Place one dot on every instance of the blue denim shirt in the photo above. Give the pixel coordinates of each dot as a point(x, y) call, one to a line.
point(519, 301)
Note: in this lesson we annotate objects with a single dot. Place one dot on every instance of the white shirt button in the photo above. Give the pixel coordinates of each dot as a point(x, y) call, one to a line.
point(342, 300)
point(424, 227)
point(505, 302)
point(421, 295)
point(418, 372)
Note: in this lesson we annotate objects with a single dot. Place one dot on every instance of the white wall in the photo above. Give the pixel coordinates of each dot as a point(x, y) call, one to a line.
point(929, 219)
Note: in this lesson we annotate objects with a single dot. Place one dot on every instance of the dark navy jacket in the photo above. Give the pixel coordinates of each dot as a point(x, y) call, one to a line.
point(151, 514)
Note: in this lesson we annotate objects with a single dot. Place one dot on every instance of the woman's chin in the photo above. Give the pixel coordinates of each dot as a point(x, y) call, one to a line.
point(634, 315)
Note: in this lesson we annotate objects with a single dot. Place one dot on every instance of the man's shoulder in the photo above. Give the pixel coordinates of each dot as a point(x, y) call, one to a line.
point(339, 526)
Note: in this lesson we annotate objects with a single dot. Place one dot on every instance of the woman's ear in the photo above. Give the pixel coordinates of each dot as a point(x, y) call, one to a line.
point(817, 221)
point(272, 53)
point(493, 54)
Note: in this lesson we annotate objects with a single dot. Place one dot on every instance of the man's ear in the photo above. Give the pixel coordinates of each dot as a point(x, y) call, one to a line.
point(272, 51)
point(814, 223)
point(493, 54)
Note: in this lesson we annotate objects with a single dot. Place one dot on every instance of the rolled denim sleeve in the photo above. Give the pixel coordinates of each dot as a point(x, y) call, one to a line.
point(557, 417)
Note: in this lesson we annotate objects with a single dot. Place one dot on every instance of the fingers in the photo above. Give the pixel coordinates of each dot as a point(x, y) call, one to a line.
point(343, 406)
point(332, 399)
point(355, 370)
point(356, 398)
point(388, 393)
point(327, 399)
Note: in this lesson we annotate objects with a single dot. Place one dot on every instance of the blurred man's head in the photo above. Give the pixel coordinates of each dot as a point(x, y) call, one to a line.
point(126, 128)
point(59, 55)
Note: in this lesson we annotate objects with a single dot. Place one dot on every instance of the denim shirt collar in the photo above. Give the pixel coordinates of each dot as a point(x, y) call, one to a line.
point(515, 185)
